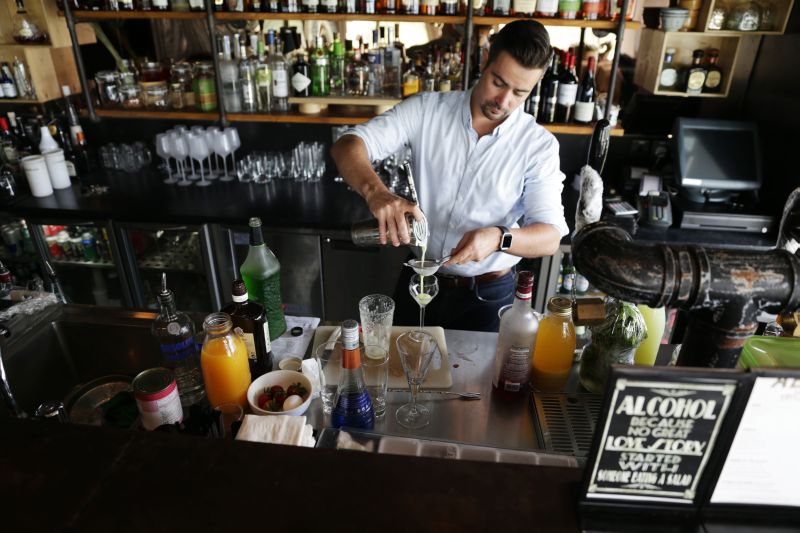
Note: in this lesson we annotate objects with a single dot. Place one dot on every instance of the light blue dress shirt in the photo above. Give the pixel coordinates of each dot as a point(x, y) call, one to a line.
point(465, 183)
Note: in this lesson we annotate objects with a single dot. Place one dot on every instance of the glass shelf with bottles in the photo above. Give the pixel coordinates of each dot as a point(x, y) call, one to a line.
point(84, 246)
point(603, 14)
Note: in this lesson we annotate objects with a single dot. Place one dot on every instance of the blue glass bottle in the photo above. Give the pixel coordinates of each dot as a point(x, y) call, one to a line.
point(352, 405)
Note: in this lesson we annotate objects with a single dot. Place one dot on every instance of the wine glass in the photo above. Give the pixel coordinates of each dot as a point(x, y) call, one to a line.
point(213, 173)
point(162, 150)
point(423, 289)
point(416, 349)
point(179, 150)
point(222, 147)
point(199, 151)
point(233, 136)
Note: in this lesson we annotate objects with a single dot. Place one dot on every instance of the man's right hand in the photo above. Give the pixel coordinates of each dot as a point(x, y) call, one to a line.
point(390, 210)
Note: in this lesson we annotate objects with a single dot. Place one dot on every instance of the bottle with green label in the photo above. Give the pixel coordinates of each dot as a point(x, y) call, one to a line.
point(261, 273)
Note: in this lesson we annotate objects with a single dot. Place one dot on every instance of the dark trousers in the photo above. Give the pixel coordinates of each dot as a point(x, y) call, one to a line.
point(472, 308)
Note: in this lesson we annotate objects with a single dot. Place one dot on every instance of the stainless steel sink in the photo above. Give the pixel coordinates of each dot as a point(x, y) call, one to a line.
point(66, 346)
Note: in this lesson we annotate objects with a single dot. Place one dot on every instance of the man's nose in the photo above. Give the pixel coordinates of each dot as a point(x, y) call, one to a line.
point(504, 100)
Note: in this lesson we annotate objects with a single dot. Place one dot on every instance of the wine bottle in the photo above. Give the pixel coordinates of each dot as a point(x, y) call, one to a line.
point(587, 93)
point(251, 319)
point(549, 96)
point(567, 90)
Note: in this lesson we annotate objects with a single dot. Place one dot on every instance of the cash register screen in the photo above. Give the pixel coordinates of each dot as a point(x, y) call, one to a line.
point(718, 154)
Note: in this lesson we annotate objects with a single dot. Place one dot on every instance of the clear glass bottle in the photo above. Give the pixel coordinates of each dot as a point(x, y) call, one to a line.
point(555, 347)
point(280, 75)
point(518, 328)
point(352, 404)
point(263, 80)
point(247, 80)
point(24, 30)
point(251, 319)
point(174, 333)
point(229, 75)
point(668, 79)
point(261, 273)
point(226, 367)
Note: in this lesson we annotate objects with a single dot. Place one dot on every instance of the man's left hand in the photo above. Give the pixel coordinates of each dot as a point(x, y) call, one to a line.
point(475, 245)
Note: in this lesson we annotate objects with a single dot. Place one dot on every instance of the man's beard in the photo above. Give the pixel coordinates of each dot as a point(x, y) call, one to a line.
point(487, 107)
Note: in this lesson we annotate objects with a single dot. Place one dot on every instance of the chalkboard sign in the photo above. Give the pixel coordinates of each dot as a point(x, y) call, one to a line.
point(657, 434)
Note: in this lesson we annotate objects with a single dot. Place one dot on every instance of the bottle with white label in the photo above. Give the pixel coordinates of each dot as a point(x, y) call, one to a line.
point(587, 94)
point(546, 8)
point(250, 319)
point(524, 8)
point(280, 75)
point(518, 328)
point(567, 90)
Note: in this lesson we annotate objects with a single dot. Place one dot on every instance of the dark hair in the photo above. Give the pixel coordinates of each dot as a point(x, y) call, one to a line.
point(527, 41)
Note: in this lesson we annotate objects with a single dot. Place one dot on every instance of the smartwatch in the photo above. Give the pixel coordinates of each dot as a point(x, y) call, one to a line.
point(505, 238)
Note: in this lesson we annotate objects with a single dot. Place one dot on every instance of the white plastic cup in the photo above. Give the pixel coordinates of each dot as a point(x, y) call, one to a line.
point(38, 177)
point(57, 168)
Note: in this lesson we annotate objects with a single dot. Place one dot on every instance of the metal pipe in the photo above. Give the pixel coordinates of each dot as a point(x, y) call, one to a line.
point(467, 47)
point(723, 290)
point(212, 32)
point(76, 52)
point(615, 63)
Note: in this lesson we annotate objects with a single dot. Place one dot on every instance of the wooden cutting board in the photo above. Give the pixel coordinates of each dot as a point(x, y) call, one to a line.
point(438, 374)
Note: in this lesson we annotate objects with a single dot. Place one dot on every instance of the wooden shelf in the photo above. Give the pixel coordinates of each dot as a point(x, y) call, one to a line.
point(124, 15)
point(781, 11)
point(575, 23)
point(293, 117)
point(148, 113)
point(378, 17)
point(580, 129)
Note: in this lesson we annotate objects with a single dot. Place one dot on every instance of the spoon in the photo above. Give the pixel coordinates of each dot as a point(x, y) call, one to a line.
point(429, 267)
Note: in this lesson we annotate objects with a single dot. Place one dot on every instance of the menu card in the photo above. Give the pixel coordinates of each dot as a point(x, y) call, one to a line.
point(763, 464)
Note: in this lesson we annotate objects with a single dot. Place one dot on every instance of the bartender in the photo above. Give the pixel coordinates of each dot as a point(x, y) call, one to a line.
point(487, 175)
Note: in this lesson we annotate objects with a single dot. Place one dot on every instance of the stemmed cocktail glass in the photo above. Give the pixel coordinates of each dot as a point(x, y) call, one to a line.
point(416, 349)
point(423, 289)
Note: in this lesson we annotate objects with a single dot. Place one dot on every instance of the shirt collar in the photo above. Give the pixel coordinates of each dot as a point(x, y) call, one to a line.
point(466, 114)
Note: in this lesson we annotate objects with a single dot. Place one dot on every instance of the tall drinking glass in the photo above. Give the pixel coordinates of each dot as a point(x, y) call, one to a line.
point(179, 151)
point(377, 313)
point(416, 349)
point(162, 150)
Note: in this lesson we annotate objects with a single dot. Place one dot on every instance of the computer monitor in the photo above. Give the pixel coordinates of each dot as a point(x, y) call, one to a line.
point(715, 158)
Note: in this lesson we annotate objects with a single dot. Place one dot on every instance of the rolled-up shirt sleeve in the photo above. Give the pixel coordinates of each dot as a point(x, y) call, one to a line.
point(387, 133)
point(544, 181)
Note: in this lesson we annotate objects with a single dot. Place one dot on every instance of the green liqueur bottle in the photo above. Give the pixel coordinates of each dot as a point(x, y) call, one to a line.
point(261, 273)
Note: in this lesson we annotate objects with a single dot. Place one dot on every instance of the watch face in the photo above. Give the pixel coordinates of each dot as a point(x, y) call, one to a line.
point(506, 244)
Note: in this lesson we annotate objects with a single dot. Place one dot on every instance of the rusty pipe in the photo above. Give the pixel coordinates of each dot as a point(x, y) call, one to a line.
point(723, 290)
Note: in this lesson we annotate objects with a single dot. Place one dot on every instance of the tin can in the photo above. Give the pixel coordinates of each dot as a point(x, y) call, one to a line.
point(157, 397)
point(52, 245)
point(89, 247)
point(64, 243)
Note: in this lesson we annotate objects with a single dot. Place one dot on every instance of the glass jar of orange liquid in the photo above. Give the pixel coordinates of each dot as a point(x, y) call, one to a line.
point(226, 370)
point(555, 347)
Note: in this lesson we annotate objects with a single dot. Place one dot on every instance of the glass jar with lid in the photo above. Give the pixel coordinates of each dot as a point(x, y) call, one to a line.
point(155, 95)
point(128, 75)
point(224, 361)
point(204, 85)
point(177, 96)
point(107, 87)
point(182, 73)
point(744, 16)
point(154, 71)
point(131, 96)
point(554, 349)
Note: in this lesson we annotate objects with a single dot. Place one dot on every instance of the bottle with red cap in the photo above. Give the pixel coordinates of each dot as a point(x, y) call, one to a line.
point(352, 404)
point(518, 328)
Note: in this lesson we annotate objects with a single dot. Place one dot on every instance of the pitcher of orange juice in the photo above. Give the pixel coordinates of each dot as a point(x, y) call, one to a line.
point(554, 348)
point(226, 370)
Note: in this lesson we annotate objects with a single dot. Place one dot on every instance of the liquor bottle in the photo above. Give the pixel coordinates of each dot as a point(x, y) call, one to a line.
point(348, 6)
point(713, 82)
point(23, 29)
point(251, 321)
point(23, 143)
point(668, 79)
point(696, 74)
point(568, 9)
point(429, 7)
point(9, 88)
point(126, 5)
point(320, 71)
point(273, 6)
point(163, 5)
point(219, 5)
point(247, 81)
point(352, 404)
point(547, 8)
point(375, 76)
point(515, 341)
point(76, 134)
point(261, 272)
point(366, 6)
point(549, 83)
point(532, 103)
point(229, 75)
point(144, 5)
point(46, 141)
point(329, 6)
point(449, 7)
point(263, 80)
point(174, 333)
point(568, 275)
point(587, 94)
point(337, 66)
point(410, 7)
point(501, 7)
point(255, 6)
point(8, 144)
point(280, 75)
point(567, 90)
point(310, 6)
point(523, 8)
point(301, 76)
point(428, 79)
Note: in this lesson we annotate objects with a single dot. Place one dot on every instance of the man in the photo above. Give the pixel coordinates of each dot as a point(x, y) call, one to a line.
point(480, 165)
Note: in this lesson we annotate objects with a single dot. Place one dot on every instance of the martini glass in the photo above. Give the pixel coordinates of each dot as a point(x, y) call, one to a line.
point(423, 289)
point(416, 349)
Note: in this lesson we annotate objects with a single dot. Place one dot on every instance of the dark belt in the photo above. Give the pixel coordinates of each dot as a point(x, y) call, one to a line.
point(466, 282)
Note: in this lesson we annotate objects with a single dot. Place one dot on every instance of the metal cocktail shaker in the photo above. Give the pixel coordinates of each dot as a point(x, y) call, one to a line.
point(365, 232)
